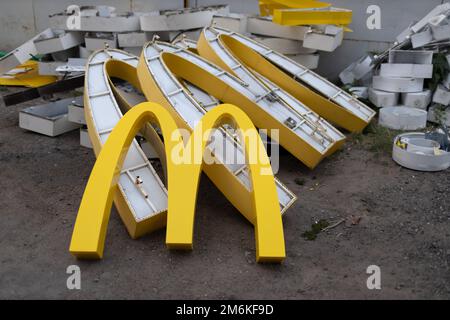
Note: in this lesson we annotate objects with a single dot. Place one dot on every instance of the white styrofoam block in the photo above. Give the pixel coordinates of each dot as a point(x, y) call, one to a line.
point(406, 70)
point(48, 68)
point(419, 100)
point(58, 42)
point(85, 141)
point(265, 26)
point(383, 98)
point(21, 54)
point(283, 46)
point(234, 22)
point(100, 41)
point(397, 84)
point(119, 23)
point(310, 61)
point(422, 38)
point(411, 56)
point(132, 39)
point(322, 41)
point(402, 118)
point(49, 119)
point(442, 95)
point(444, 115)
point(441, 32)
point(191, 18)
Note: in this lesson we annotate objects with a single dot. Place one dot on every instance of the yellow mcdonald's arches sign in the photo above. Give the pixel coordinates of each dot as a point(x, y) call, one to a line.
point(89, 232)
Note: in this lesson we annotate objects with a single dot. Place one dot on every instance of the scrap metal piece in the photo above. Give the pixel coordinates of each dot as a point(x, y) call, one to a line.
point(30, 94)
point(414, 151)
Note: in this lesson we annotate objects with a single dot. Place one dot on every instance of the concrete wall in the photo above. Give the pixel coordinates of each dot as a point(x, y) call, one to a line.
point(21, 19)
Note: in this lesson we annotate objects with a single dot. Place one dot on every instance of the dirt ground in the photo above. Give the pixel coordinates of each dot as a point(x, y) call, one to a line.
point(396, 218)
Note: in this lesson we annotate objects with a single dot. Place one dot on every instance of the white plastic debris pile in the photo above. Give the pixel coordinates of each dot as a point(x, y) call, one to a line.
point(411, 78)
point(76, 35)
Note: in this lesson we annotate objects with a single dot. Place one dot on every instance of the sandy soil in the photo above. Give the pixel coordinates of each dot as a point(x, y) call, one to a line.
point(401, 222)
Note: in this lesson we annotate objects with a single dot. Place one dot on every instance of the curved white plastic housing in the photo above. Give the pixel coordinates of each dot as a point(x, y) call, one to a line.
point(139, 184)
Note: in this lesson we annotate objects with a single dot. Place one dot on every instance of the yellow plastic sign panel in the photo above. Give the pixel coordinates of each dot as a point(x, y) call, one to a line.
point(89, 233)
point(315, 101)
point(266, 7)
point(26, 75)
point(295, 17)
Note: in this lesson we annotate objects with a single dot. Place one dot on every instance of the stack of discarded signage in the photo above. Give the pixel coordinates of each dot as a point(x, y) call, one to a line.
point(411, 84)
point(75, 35)
point(311, 26)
